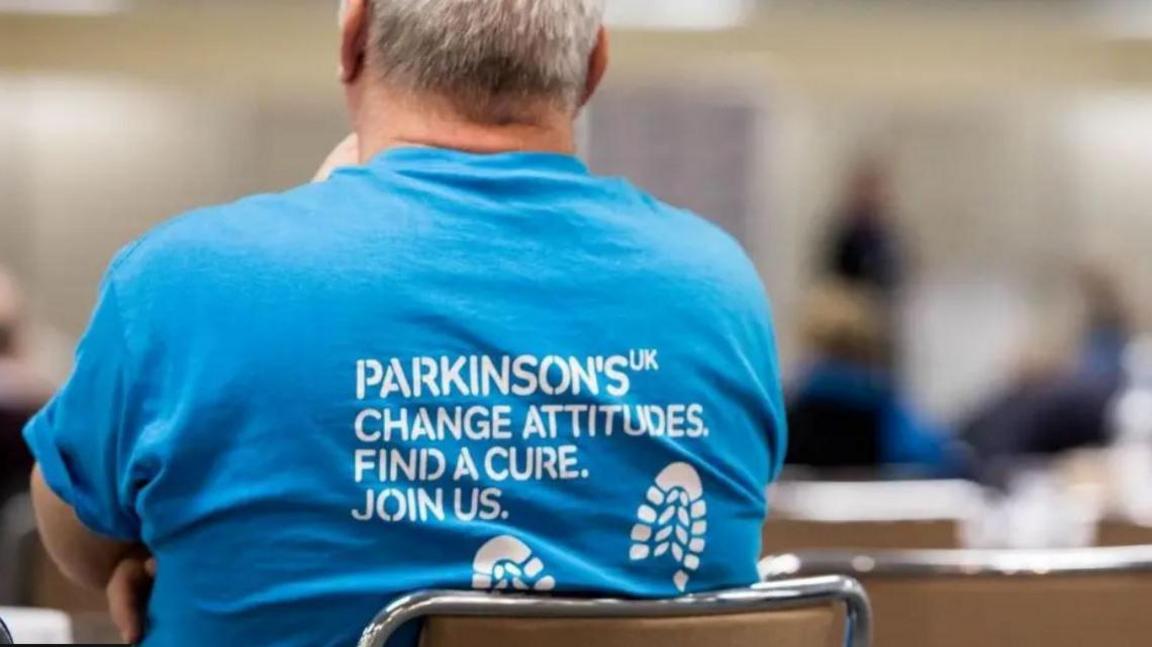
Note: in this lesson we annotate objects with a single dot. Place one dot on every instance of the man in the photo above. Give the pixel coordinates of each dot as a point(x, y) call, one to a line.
point(865, 251)
point(865, 247)
point(467, 362)
point(845, 411)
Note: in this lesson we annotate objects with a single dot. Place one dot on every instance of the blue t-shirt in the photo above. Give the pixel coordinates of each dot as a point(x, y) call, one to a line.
point(906, 438)
point(438, 370)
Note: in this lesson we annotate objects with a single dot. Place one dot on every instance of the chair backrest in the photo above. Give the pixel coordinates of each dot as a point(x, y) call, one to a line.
point(787, 535)
point(798, 613)
point(997, 598)
point(816, 627)
point(1119, 532)
point(868, 515)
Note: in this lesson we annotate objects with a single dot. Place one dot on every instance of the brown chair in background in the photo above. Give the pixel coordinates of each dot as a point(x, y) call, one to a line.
point(852, 514)
point(1095, 596)
point(799, 613)
point(1117, 532)
point(790, 535)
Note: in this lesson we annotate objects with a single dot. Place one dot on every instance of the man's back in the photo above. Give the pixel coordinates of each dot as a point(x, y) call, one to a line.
point(440, 370)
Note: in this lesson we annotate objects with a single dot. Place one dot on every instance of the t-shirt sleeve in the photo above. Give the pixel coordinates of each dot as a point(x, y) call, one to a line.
point(764, 361)
point(82, 438)
point(774, 393)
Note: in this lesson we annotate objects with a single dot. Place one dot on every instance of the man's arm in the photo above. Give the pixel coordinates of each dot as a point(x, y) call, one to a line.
point(82, 555)
point(87, 557)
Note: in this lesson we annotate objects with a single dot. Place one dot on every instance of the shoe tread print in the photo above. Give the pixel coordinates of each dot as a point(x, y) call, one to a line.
point(505, 563)
point(673, 521)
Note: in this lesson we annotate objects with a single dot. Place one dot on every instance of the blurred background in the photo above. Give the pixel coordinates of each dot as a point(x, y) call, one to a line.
point(947, 201)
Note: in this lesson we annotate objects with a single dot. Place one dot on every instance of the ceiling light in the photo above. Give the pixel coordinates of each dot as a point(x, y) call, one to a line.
point(693, 15)
point(64, 7)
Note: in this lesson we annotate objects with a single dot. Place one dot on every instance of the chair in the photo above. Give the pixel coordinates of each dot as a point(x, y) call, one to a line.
point(788, 535)
point(800, 613)
point(954, 598)
point(867, 515)
point(1119, 532)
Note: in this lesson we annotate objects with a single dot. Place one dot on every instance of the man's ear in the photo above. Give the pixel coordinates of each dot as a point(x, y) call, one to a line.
point(353, 39)
point(597, 66)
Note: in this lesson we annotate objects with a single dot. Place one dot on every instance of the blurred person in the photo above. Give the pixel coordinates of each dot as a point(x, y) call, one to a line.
point(1039, 420)
point(22, 392)
point(1060, 399)
point(1108, 323)
point(458, 360)
point(864, 248)
point(1130, 454)
point(865, 251)
point(993, 429)
point(845, 411)
point(1023, 439)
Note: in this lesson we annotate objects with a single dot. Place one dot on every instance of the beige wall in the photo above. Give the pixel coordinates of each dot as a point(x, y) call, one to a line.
point(92, 163)
point(1016, 145)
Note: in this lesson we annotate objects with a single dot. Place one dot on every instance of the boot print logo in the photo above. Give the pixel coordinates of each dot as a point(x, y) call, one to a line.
point(672, 522)
point(507, 563)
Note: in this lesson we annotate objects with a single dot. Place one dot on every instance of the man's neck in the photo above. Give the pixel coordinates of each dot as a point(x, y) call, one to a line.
point(386, 122)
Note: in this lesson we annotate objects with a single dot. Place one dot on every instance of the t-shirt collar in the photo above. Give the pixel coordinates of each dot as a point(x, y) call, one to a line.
point(417, 157)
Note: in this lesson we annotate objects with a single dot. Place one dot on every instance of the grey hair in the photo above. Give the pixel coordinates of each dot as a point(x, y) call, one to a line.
point(495, 60)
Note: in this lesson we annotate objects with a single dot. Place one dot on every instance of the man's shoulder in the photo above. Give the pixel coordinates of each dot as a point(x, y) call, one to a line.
point(204, 236)
point(695, 246)
point(683, 224)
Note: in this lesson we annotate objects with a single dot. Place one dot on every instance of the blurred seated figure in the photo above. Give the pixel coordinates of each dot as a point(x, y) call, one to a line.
point(22, 392)
point(1059, 400)
point(845, 410)
point(1000, 426)
point(998, 598)
point(1044, 418)
point(1129, 459)
point(1108, 324)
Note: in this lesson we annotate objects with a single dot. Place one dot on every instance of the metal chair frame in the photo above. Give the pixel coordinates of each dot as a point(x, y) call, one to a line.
point(759, 598)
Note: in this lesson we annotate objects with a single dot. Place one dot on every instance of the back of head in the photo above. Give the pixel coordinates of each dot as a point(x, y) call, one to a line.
point(495, 60)
point(844, 323)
